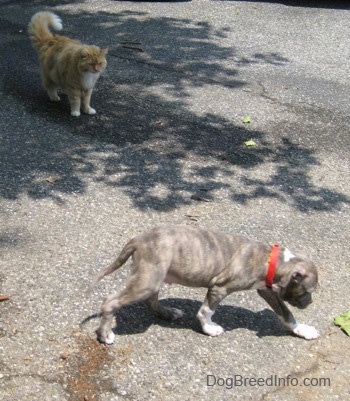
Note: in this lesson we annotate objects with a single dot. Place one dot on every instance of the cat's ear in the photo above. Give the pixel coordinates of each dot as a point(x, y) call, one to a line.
point(104, 51)
point(84, 53)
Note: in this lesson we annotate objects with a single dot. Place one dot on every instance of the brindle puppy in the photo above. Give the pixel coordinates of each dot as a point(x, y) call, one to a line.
point(223, 263)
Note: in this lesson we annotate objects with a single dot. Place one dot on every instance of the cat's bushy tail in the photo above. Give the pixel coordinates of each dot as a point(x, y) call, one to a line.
point(39, 25)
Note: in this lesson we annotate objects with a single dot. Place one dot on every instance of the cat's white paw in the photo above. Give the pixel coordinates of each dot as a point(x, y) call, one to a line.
point(54, 98)
point(75, 113)
point(91, 111)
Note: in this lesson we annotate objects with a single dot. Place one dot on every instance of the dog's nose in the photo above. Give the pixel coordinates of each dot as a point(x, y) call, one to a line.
point(306, 304)
point(309, 300)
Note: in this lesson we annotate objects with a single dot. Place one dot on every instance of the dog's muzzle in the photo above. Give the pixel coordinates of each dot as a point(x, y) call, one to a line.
point(300, 302)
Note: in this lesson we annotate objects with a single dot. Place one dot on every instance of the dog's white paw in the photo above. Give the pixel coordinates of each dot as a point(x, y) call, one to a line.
point(212, 329)
point(75, 113)
point(208, 326)
point(305, 331)
point(110, 338)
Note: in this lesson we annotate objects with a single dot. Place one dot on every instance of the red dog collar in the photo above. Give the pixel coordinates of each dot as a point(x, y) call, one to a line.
point(271, 268)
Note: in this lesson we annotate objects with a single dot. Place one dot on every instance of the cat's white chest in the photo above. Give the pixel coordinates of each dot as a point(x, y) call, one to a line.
point(89, 79)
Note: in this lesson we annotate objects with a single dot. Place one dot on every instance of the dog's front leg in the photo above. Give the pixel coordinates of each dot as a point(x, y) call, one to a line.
point(286, 317)
point(214, 296)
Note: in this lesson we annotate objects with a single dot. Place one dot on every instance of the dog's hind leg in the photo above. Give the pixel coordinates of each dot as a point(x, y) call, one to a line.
point(110, 307)
point(140, 287)
point(163, 312)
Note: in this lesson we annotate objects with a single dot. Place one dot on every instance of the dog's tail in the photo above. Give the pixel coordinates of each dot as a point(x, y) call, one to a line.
point(124, 255)
point(38, 28)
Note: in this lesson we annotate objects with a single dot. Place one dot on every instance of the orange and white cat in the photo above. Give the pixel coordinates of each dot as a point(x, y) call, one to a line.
point(65, 63)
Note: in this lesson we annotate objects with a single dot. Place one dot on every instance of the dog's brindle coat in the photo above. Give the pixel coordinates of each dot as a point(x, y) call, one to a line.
point(223, 263)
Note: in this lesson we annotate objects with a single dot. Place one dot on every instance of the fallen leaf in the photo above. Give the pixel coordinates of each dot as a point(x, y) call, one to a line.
point(343, 321)
point(191, 217)
point(199, 198)
point(250, 143)
point(132, 47)
point(246, 120)
point(131, 42)
point(4, 298)
point(52, 179)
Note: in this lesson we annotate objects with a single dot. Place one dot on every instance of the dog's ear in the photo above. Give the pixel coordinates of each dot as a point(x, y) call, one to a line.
point(298, 274)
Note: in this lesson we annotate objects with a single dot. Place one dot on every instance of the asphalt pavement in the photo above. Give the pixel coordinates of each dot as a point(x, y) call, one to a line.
point(233, 115)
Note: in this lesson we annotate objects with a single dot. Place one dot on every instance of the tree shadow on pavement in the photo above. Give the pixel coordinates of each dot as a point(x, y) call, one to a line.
point(145, 139)
point(333, 4)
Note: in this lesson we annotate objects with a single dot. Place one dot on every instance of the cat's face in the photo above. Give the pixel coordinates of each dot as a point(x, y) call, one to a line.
point(93, 59)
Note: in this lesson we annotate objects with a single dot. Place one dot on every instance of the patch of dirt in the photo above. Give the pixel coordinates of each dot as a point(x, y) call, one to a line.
point(84, 367)
point(87, 367)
